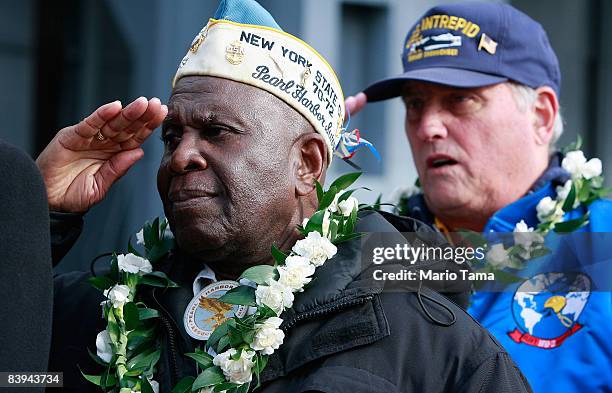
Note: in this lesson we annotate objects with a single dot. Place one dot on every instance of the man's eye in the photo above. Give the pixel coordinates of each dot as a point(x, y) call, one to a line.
point(170, 139)
point(464, 103)
point(414, 107)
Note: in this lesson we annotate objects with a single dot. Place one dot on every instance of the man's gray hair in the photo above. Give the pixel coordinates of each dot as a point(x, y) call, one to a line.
point(525, 96)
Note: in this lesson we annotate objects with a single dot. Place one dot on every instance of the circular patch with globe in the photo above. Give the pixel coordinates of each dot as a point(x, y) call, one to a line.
point(547, 306)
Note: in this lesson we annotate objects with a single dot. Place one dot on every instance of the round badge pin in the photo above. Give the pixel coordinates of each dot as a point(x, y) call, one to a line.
point(205, 313)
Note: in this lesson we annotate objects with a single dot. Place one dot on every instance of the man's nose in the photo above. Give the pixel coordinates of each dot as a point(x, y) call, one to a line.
point(188, 155)
point(432, 123)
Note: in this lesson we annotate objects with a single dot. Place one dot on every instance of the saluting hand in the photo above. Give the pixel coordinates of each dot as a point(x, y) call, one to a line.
point(83, 161)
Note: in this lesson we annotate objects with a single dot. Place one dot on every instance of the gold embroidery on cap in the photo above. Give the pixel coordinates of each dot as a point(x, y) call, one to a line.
point(234, 53)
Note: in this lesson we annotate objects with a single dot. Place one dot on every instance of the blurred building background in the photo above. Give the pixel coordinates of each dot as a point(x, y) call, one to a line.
point(59, 60)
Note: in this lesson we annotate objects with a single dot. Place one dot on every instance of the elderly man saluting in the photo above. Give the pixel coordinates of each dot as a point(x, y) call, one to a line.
point(480, 87)
point(253, 120)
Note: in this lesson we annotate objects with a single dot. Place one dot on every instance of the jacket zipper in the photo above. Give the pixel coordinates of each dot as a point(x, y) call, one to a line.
point(174, 373)
point(327, 310)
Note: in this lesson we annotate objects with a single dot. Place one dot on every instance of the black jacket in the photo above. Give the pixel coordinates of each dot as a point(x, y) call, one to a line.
point(346, 333)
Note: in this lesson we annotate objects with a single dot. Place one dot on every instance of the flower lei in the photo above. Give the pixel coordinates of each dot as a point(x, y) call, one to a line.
point(129, 347)
point(584, 187)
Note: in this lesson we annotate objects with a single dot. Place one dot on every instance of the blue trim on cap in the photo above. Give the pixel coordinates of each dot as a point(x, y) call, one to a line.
point(245, 11)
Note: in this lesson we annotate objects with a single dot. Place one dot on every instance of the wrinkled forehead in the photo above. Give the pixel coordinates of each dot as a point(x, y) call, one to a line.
point(206, 97)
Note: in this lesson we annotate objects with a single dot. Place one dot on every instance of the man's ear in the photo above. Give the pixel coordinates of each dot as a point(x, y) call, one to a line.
point(545, 109)
point(310, 162)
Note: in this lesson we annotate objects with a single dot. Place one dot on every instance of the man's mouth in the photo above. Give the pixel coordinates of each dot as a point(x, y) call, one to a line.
point(181, 196)
point(439, 161)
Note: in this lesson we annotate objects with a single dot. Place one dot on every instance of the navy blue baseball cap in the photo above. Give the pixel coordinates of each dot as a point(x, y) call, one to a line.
point(474, 45)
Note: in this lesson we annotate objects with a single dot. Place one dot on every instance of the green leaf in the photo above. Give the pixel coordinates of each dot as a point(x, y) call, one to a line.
point(333, 230)
point(218, 333)
point(344, 238)
point(417, 183)
point(112, 326)
point(573, 146)
point(376, 205)
point(225, 386)
point(202, 358)
point(144, 360)
point(320, 192)
point(109, 379)
point(568, 205)
point(130, 316)
point(223, 343)
point(145, 385)
point(242, 295)
point(139, 336)
point(571, 225)
point(260, 274)
point(114, 273)
point(235, 338)
point(262, 361)
point(248, 336)
point(278, 255)
point(345, 195)
point(147, 313)
point(539, 252)
point(157, 279)
point(315, 223)
point(604, 192)
point(184, 385)
point(210, 376)
point(265, 312)
point(596, 182)
point(96, 358)
point(132, 250)
point(345, 181)
point(160, 250)
point(133, 373)
point(101, 282)
point(328, 198)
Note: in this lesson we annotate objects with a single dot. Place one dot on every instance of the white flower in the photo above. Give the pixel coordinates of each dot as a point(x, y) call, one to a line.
point(140, 237)
point(591, 168)
point(564, 190)
point(326, 223)
point(236, 371)
point(268, 336)
point(316, 248)
point(118, 295)
point(275, 295)
point(545, 207)
point(103, 346)
point(497, 255)
point(523, 234)
point(296, 272)
point(347, 206)
point(573, 162)
point(133, 264)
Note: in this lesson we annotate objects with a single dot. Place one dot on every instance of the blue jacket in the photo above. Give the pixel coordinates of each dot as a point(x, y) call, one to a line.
point(565, 351)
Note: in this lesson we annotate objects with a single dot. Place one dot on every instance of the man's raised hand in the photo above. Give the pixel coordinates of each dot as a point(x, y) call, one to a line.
point(83, 161)
point(354, 104)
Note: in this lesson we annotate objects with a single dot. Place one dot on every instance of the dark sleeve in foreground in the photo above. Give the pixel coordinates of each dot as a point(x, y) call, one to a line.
point(65, 230)
point(26, 291)
point(497, 374)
